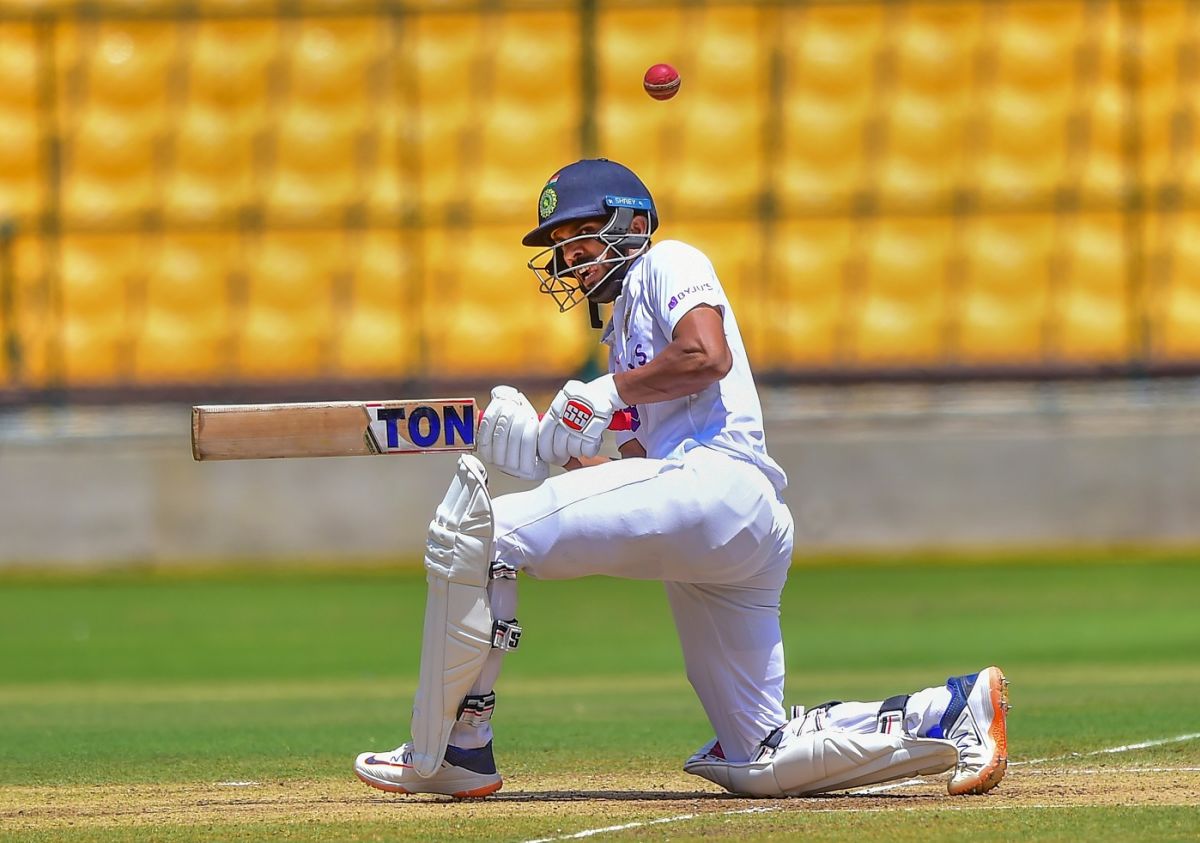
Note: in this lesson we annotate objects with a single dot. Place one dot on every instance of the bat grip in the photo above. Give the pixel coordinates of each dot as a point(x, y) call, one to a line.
point(621, 420)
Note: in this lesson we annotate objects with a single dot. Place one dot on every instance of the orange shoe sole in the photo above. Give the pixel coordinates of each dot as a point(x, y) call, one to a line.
point(991, 775)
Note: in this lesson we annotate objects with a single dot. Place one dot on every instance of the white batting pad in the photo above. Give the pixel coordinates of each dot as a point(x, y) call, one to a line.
point(458, 620)
point(818, 762)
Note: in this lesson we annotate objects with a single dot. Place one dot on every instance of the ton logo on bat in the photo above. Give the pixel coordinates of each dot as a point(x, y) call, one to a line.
point(427, 426)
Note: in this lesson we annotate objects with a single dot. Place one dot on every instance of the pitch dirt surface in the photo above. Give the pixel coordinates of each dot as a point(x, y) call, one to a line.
point(569, 806)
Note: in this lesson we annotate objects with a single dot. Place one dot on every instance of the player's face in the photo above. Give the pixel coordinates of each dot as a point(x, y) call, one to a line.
point(581, 249)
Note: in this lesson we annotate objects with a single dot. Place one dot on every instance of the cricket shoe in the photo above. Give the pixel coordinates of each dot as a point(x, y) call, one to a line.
point(464, 772)
point(975, 722)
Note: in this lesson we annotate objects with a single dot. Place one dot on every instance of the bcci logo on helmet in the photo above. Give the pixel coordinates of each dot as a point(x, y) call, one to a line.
point(548, 202)
point(576, 415)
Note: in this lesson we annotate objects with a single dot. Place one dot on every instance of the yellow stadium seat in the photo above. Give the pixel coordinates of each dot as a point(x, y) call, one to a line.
point(804, 295)
point(823, 162)
point(1023, 153)
point(535, 58)
point(1162, 160)
point(833, 48)
point(391, 183)
point(1175, 320)
point(900, 316)
point(1093, 322)
point(483, 315)
point(640, 135)
point(22, 181)
point(91, 354)
point(378, 334)
point(18, 67)
point(720, 166)
point(287, 326)
point(108, 172)
point(229, 64)
point(96, 275)
point(510, 170)
point(110, 143)
point(446, 51)
point(630, 126)
point(1164, 37)
point(1165, 95)
point(630, 40)
point(234, 8)
point(186, 327)
point(96, 272)
point(212, 170)
point(374, 341)
point(107, 202)
point(1107, 109)
point(1003, 304)
point(924, 141)
point(315, 173)
point(1036, 43)
point(935, 46)
point(127, 64)
point(33, 319)
point(329, 60)
point(727, 55)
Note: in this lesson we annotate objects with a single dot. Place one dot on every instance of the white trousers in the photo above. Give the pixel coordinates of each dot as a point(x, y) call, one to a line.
point(713, 529)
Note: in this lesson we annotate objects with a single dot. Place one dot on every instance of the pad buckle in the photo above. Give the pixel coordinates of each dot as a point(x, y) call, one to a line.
point(890, 720)
point(476, 709)
point(506, 635)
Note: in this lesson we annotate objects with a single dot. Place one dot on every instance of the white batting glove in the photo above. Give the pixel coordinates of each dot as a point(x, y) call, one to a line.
point(508, 435)
point(577, 419)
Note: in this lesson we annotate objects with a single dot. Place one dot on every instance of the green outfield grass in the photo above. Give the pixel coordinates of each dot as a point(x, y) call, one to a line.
point(165, 678)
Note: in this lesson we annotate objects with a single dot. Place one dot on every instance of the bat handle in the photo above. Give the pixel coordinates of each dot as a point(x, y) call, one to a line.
point(621, 420)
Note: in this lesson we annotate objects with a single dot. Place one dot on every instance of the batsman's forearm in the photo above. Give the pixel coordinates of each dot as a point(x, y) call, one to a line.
point(676, 372)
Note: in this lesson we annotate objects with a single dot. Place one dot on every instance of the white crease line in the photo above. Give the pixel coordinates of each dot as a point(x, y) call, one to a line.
point(1126, 748)
point(591, 832)
point(1111, 770)
point(884, 788)
point(889, 810)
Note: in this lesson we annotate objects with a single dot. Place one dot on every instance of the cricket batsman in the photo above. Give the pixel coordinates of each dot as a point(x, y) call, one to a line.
point(695, 501)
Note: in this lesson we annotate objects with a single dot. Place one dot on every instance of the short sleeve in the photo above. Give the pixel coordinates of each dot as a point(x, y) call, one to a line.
point(681, 278)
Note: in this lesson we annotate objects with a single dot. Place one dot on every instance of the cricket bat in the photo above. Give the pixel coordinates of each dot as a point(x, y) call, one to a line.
point(339, 429)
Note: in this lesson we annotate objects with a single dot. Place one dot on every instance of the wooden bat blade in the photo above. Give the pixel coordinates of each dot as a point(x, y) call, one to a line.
point(332, 429)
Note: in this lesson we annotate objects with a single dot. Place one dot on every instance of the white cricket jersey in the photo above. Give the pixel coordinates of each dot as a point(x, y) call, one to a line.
point(660, 287)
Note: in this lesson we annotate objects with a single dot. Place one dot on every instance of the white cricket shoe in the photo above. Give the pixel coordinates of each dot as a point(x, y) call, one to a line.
point(975, 723)
point(464, 772)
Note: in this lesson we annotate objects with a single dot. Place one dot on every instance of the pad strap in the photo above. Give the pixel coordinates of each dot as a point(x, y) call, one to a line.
point(476, 709)
point(815, 719)
point(502, 570)
point(891, 715)
point(506, 635)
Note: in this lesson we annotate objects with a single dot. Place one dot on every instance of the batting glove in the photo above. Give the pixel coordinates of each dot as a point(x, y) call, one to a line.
point(508, 435)
point(577, 419)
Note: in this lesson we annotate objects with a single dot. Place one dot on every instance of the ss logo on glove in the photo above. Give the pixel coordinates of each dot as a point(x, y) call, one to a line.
point(576, 415)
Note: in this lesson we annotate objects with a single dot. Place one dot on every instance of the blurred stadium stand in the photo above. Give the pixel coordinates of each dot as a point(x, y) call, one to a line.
point(283, 198)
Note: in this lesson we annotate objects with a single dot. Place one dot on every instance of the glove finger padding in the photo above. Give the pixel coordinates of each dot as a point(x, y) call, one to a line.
point(508, 435)
point(485, 435)
point(524, 440)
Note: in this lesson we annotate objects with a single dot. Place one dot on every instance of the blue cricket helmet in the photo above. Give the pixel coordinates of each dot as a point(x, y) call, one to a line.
point(593, 187)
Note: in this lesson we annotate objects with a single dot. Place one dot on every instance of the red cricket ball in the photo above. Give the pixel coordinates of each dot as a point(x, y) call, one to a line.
point(661, 81)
